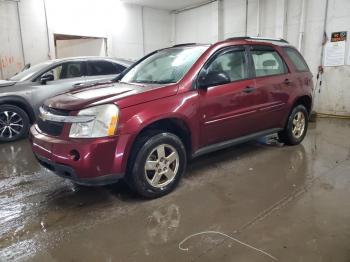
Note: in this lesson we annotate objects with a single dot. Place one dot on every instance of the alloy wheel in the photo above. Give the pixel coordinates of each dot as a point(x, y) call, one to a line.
point(11, 124)
point(298, 125)
point(162, 166)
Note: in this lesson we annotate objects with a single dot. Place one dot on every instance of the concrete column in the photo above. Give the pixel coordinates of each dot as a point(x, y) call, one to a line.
point(281, 18)
point(220, 20)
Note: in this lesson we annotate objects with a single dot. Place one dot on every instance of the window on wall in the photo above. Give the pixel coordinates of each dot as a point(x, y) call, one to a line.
point(267, 62)
point(232, 64)
point(297, 60)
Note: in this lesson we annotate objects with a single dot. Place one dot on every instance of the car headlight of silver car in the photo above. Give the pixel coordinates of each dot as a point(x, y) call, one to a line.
point(104, 123)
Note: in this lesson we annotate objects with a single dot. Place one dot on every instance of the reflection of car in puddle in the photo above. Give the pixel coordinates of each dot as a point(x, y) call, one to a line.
point(263, 159)
point(162, 223)
point(17, 159)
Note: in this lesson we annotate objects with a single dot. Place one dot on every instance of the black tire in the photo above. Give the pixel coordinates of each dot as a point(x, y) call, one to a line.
point(137, 178)
point(7, 135)
point(287, 136)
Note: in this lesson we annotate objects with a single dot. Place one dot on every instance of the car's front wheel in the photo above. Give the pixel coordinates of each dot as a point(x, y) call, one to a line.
point(157, 164)
point(14, 123)
point(296, 127)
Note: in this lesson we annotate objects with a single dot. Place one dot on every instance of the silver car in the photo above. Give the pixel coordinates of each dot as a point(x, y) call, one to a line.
point(23, 94)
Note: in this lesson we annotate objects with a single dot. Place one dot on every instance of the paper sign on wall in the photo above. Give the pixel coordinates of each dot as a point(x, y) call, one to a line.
point(339, 36)
point(334, 54)
point(348, 63)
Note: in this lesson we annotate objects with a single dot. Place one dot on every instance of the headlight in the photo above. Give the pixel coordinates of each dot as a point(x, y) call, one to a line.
point(104, 124)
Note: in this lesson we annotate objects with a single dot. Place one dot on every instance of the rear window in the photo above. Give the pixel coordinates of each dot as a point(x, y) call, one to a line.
point(296, 59)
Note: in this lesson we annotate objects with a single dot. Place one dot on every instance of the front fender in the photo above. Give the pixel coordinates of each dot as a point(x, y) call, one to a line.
point(20, 102)
point(183, 107)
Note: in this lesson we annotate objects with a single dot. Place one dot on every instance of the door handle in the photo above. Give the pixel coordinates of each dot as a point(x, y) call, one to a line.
point(287, 81)
point(249, 89)
point(78, 84)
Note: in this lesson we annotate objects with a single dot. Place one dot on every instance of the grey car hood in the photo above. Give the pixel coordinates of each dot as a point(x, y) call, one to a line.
point(4, 83)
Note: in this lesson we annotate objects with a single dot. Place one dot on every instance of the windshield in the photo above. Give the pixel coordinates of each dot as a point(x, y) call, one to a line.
point(166, 66)
point(26, 74)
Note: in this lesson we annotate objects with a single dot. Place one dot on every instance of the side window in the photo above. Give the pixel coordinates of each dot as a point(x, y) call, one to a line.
point(268, 62)
point(56, 72)
point(233, 64)
point(71, 70)
point(119, 68)
point(96, 68)
point(296, 59)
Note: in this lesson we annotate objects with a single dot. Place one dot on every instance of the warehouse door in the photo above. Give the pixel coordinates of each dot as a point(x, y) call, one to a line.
point(69, 46)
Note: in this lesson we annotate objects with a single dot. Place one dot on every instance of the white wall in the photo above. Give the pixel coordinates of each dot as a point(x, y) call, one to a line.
point(33, 25)
point(335, 91)
point(131, 30)
point(158, 29)
point(200, 25)
point(11, 58)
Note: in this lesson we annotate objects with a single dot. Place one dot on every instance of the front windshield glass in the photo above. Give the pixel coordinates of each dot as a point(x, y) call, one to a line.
point(166, 66)
point(26, 74)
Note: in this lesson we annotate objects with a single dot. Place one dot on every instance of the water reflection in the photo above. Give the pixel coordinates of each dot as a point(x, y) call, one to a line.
point(162, 223)
point(17, 159)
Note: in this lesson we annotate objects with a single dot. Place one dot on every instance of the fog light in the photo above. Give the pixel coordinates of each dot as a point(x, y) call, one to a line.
point(74, 154)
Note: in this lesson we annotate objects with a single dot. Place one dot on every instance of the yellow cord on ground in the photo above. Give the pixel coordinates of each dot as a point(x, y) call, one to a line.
point(322, 115)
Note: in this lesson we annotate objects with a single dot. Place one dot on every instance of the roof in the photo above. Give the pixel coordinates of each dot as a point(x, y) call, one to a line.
point(274, 41)
point(121, 61)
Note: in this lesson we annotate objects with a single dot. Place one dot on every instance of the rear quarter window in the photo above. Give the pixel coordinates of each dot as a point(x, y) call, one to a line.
point(297, 60)
point(267, 62)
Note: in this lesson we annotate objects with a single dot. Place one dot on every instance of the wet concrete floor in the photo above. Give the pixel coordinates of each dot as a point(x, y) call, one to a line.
point(290, 202)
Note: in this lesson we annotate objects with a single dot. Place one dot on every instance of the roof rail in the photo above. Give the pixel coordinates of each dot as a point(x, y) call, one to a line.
point(258, 38)
point(185, 44)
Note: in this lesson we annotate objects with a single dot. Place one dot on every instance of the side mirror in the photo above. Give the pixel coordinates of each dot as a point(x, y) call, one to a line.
point(213, 78)
point(45, 78)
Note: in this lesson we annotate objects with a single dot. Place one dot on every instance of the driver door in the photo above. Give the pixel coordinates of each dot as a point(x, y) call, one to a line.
point(228, 110)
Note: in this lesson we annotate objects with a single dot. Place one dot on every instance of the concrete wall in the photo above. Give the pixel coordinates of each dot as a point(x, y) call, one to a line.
point(200, 25)
point(131, 31)
point(11, 58)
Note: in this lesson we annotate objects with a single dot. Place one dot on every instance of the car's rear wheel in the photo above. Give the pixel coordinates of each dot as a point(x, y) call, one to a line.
point(14, 123)
point(157, 164)
point(296, 127)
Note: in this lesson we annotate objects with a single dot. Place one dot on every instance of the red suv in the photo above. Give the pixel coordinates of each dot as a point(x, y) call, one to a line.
point(173, 105)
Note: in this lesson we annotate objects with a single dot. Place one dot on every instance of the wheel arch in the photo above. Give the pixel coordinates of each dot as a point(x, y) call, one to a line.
point(174, 125)
point(21, 103)
point(304, 100)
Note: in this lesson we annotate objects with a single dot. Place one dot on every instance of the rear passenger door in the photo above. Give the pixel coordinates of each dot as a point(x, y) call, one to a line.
point(273, 84)
point(102, 70)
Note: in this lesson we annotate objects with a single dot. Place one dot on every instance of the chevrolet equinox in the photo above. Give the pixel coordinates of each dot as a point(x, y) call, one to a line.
point(173, 105)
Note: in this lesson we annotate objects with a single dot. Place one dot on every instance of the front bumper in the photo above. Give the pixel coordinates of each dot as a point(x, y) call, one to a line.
point(85, 161)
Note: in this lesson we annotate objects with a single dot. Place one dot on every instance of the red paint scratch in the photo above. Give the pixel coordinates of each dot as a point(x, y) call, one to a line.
point(8, 61)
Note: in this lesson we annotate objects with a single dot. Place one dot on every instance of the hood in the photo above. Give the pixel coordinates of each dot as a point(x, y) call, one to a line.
point(4, 83)
point(122, 94)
